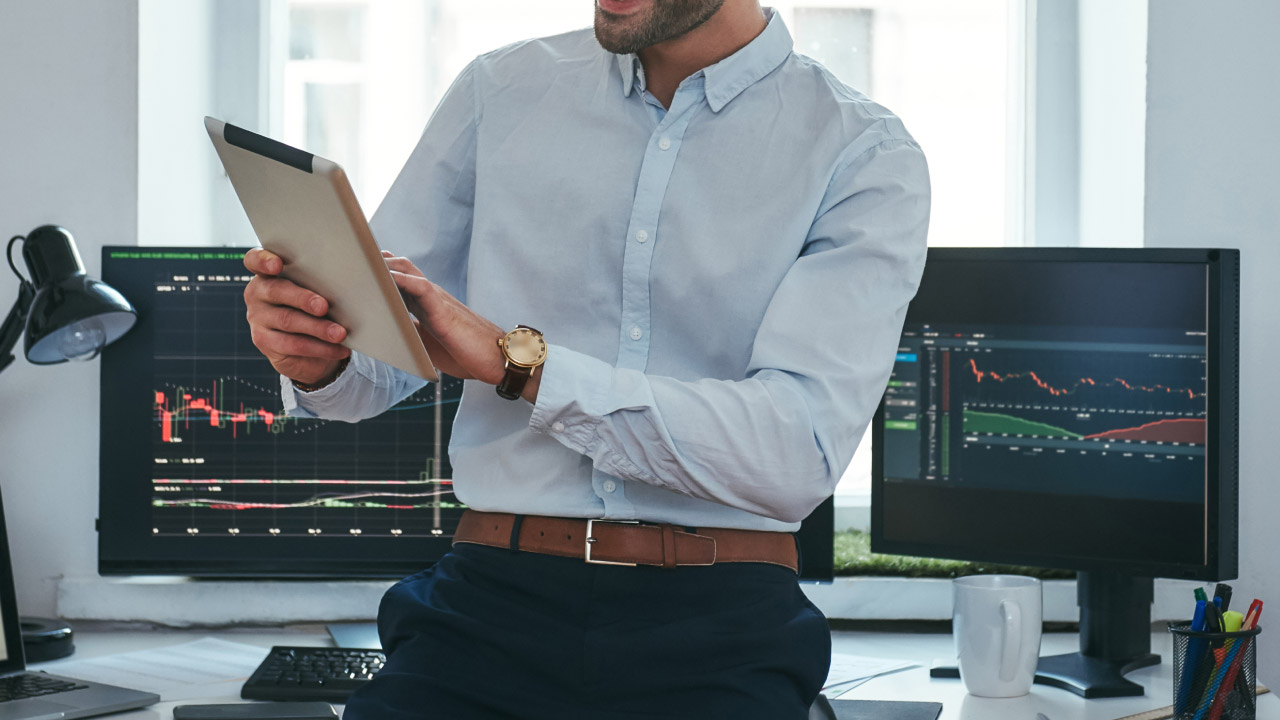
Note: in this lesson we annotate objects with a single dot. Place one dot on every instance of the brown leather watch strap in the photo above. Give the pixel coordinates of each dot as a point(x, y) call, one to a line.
point(625, 543)
point(513, 381)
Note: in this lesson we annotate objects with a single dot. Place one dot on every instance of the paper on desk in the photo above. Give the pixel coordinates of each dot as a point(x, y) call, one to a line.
point(200, 668)
point(846, 669)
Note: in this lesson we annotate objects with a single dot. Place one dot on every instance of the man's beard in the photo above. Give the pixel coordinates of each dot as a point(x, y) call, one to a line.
point(664, 20)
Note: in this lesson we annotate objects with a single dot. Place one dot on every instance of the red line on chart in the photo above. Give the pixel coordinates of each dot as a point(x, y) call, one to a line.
point(1084, 381)
point(1192, 431)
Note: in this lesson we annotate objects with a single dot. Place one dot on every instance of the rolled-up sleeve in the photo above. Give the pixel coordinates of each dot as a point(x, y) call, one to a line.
point(775, 442)
point(426, 216)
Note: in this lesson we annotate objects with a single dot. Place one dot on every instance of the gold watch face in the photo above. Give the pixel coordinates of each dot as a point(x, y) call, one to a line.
point(525, 347)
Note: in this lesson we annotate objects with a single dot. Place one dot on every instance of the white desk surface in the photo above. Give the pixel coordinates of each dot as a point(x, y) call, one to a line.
point(96, 640)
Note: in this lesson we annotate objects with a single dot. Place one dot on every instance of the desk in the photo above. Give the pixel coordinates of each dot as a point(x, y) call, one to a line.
point(94, 640)
point(1056, 704)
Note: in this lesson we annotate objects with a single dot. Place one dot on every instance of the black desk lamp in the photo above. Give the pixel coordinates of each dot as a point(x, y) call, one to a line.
point(67, 314)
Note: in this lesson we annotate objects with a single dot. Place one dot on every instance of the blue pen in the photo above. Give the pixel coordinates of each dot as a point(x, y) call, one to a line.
point(1212, 690)
point(1195, 648)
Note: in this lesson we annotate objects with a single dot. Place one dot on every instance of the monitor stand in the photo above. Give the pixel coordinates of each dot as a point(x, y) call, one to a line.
point(1115, 638)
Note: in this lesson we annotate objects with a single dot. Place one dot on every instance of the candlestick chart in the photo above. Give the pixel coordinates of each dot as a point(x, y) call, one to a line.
point(227, 460)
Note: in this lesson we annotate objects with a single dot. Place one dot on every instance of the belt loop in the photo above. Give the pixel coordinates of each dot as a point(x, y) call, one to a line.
point(799, 553)
point(516, 522)
point(668, 546)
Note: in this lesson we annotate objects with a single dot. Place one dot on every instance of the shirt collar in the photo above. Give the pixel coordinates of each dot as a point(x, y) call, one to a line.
point(629, 65)
point(729, 77)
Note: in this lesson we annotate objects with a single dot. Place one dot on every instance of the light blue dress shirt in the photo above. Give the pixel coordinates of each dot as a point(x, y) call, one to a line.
point(721, 283)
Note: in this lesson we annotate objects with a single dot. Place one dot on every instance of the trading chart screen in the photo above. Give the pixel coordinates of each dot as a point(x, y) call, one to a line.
point(203, 473)
point(1098, 412)
point(1050, 410)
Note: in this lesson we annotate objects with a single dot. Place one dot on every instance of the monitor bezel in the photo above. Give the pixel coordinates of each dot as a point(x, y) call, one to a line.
point(1222, 456)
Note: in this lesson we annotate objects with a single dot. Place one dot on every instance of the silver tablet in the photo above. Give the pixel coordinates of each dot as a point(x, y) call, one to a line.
point(303, 209)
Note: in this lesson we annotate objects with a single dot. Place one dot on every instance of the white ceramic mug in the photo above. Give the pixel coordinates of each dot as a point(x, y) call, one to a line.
point(997, 632)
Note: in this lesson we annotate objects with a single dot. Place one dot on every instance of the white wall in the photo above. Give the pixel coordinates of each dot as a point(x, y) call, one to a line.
point(68, 155)
point(1213, 178)
point(175, 90)
point(195, 58)
point(1113, 75)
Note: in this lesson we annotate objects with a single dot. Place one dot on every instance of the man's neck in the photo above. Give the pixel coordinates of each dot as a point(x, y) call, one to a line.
point(667, 64)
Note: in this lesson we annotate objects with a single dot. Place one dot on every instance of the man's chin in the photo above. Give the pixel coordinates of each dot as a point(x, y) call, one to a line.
point(617, 34)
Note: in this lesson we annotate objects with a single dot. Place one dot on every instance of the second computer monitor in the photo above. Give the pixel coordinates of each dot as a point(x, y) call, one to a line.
point(1069, 408)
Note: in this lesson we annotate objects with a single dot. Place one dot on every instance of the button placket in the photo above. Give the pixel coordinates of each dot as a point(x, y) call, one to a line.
point(651, 189)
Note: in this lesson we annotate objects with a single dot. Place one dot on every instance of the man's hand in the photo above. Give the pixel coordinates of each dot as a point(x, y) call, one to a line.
point(461, 342)
point(288, 325)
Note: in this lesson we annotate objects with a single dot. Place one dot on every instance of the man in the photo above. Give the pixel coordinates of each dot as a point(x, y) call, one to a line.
point(717, 241)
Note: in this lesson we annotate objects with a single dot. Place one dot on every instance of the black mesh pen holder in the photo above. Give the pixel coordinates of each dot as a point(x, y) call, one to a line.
point(1215, 674)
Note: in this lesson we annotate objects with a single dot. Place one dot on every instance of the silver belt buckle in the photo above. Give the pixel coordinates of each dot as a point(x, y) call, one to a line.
point(591, 540)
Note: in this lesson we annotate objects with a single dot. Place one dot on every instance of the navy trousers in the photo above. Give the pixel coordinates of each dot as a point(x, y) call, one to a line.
point(490, 633)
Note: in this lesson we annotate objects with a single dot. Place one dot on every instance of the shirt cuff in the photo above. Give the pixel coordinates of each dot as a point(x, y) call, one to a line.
point(571, 397)
point(303, 404)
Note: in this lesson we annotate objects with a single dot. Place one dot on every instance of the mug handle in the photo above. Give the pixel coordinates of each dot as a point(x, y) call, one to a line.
point(1012, 639)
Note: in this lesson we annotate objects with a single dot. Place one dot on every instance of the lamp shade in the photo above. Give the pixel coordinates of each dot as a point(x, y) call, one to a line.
point(72, 316)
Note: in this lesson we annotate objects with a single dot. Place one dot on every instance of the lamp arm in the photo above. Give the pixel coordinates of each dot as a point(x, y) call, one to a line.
point(15, 323)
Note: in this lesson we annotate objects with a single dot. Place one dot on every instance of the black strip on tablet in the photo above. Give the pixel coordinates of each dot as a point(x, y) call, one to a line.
point(267, 147)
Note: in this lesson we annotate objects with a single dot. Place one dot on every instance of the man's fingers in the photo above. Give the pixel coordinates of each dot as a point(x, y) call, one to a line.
point(420, 294)
point(415, 285)
point(278, 291)
point(263, 262)
point(293, 321)
point(274, 343)
point(404, 265)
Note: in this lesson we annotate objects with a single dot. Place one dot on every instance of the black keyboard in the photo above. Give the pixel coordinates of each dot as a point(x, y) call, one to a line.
point(29, 685)
point(312, 673)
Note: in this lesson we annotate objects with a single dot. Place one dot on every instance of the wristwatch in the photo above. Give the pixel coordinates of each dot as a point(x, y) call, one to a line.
point(525, 350)
point(337, 373)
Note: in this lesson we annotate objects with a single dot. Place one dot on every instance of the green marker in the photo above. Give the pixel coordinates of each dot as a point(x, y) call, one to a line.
point(1202, 595)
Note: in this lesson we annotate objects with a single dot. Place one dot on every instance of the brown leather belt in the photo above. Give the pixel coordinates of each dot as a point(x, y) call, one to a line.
point(608, 542)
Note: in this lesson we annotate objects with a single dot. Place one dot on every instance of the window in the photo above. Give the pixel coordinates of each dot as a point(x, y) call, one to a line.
point(361, 78)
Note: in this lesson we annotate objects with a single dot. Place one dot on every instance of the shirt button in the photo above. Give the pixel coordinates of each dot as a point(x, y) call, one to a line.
point(610, 486)
point(642, 235)
point(557, 427)
point(664, 143)
point(636, 333)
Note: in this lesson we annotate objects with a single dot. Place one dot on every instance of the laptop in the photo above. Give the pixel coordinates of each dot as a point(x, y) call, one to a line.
point(38, 695)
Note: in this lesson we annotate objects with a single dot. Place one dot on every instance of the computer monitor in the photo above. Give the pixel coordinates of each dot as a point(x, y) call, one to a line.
point(202, 473)
point(1068, 408)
